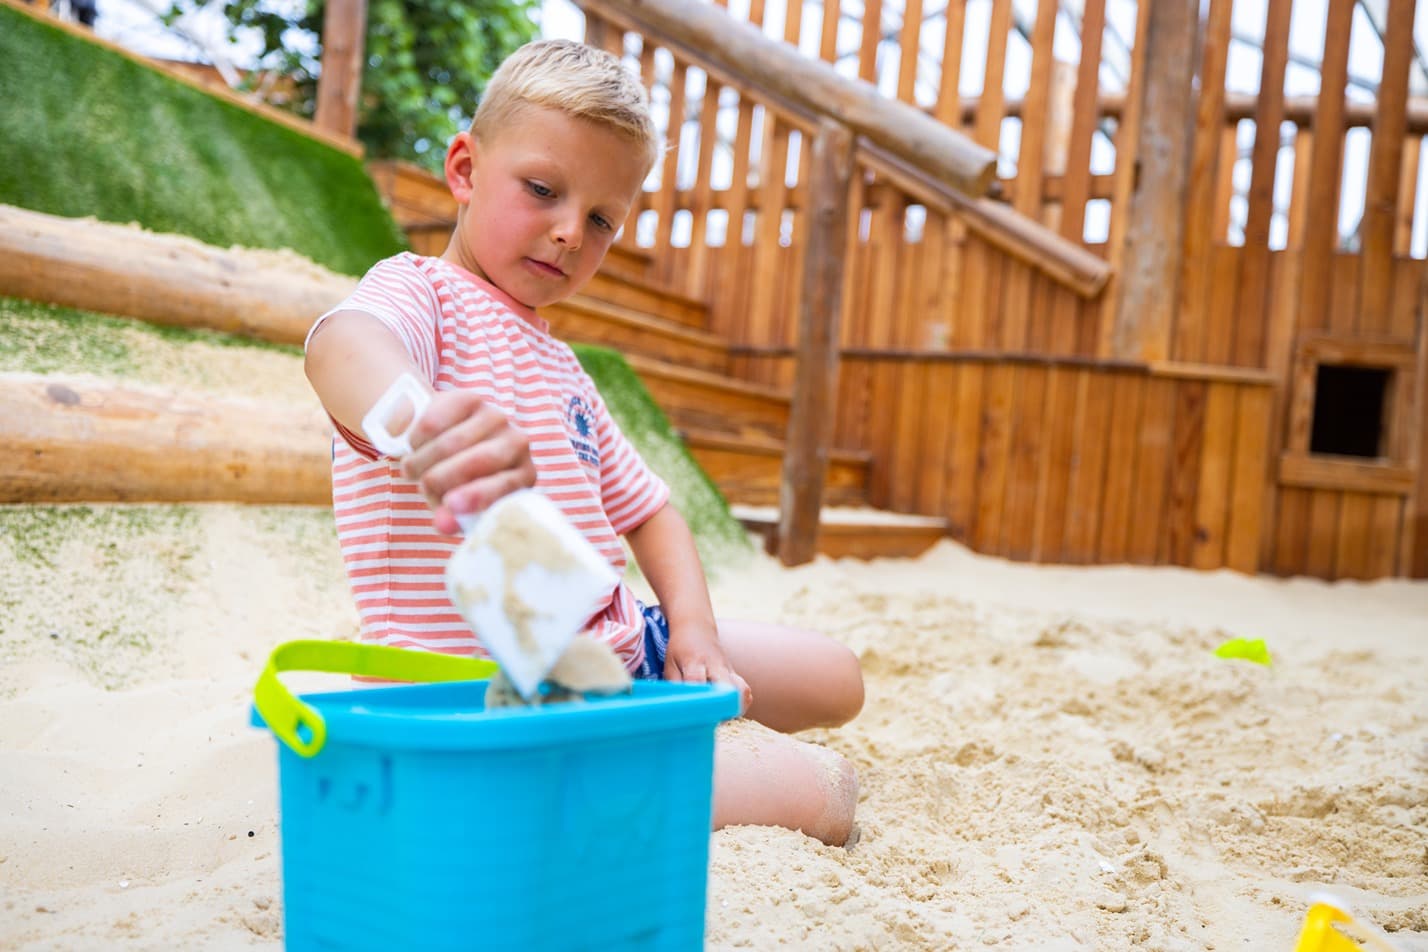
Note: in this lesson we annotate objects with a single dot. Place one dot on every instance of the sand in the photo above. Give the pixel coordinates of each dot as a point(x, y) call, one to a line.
point(1049, 758)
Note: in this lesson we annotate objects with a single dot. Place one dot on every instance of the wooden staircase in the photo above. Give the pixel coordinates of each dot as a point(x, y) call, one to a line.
point(733, 428)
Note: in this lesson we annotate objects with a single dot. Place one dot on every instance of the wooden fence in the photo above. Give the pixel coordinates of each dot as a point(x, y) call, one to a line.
point(977, 362)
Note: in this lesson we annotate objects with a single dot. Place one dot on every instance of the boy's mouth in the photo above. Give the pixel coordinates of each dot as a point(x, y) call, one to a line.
point(541, 267)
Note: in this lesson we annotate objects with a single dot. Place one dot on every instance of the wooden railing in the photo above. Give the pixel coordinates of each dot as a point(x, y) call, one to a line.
point(737, 233)
point(1152, 236)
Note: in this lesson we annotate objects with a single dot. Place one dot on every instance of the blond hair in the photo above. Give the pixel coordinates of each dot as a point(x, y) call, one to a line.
point(578, 80)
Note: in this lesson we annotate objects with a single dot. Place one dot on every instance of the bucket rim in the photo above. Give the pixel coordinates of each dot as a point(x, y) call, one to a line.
point(452, 716)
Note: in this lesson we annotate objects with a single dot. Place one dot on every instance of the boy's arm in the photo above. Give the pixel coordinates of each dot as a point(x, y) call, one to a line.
point(664, 549)
point(352, 358)
point(465, 455)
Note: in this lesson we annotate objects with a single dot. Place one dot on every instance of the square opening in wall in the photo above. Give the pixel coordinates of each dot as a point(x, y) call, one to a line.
point(1349, 406)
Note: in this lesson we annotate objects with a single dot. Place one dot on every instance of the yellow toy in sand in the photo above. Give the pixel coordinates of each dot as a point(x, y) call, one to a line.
point(1328, 928)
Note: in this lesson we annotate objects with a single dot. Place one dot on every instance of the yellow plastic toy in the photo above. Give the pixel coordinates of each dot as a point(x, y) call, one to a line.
point(1328, 928)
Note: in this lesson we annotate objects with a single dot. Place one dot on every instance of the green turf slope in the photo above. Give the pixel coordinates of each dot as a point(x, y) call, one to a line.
point(85, 131)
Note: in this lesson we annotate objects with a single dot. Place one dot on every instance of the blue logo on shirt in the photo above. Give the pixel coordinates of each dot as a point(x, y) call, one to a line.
point(580, 425)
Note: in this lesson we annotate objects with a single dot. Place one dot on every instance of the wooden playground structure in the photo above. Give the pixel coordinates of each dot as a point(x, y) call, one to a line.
point(849, 284)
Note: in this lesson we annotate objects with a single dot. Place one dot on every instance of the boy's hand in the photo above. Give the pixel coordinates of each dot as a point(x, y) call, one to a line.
point(697, 658)
point(466, 455)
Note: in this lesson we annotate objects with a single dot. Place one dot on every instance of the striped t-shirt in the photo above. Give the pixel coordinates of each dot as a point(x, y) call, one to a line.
point(463, 332)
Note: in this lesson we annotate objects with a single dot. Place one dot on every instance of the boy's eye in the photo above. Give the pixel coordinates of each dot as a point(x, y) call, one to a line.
point(601, 222)
point(539, 190)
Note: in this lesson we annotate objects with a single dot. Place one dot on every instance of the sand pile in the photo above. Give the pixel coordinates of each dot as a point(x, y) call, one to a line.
point(1050, 758)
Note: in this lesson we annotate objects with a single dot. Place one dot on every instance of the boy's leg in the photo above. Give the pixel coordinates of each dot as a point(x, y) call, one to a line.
point(764, 778)
point(799, 678)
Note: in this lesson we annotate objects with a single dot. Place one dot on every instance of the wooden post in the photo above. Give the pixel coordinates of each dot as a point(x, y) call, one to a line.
point(344, 32)
point(810, 424)
point(1157, 213)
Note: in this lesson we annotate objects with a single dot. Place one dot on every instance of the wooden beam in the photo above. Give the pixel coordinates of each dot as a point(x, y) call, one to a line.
point(344, 33)
point(78, 439)
point(815, 386)
point(1030, 242)
point(1385, 161)
point(739, 54)
point(1148, 287)
point(1248, 333)
point(1299, 110)
point(164, 279)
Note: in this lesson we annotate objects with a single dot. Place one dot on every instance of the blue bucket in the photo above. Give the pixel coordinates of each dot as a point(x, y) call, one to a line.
point(426, 822)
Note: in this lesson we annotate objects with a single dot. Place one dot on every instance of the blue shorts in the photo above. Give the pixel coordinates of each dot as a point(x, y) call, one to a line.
point(656, 643)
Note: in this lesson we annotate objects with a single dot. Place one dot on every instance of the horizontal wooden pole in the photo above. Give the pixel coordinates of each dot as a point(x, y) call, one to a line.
point(165, 279)
point(742, 55)
point(81, 439)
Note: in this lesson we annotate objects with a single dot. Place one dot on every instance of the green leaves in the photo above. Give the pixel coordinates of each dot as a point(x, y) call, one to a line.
point(427, 63)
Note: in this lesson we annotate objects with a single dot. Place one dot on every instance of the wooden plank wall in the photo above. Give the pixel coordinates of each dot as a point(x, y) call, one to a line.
point(1066, 461)
point(1247, 299)
point(917, 279)
point(963, 345)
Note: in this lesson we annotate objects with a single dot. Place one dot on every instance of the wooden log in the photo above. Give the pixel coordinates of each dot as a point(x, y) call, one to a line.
point(165, 279)
point(816, 382)
point(80, 439)
point(1148, 291)
point(344, 34)
point(740, 55)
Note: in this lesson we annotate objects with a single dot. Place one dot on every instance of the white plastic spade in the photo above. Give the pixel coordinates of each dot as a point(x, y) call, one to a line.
point(524, 578)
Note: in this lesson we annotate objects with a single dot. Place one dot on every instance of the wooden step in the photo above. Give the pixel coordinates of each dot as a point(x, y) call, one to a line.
point(853, 533)
point(748, 471)
point(637, 294)
point(583, 319)
point(712, 403)
point(629, 263)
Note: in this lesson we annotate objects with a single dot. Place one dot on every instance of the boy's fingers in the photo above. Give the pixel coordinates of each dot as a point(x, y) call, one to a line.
point(485, 425)
point(506, 451)
point(477, 495)
point(446, 410)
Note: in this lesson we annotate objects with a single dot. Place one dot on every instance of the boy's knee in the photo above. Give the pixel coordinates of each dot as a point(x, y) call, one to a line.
point(834, 822)
point(845, 695)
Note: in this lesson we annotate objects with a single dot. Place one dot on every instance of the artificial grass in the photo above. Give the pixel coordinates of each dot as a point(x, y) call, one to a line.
point(49, 338)
point(721, 541)
point(89, 132)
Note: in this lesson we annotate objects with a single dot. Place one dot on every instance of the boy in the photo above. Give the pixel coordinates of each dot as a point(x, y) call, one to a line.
point(549, 171)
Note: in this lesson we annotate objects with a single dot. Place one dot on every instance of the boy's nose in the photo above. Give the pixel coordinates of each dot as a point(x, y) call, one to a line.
point(566, 232)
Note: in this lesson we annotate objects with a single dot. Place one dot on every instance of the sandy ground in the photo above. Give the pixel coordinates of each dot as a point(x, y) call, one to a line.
point(1050, 758)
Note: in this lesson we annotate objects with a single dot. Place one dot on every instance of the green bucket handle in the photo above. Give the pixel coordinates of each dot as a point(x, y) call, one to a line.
point(285, 714)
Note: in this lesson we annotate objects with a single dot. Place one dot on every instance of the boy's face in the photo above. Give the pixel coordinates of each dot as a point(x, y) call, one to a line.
point(541, 202)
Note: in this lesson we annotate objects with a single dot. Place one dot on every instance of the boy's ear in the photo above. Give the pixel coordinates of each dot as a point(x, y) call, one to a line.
point(460, 162)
